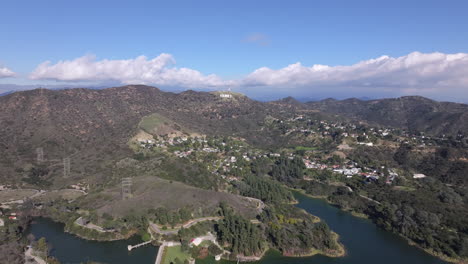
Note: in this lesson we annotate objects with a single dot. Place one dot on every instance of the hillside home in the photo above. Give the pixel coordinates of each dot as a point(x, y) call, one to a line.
point(419, 176)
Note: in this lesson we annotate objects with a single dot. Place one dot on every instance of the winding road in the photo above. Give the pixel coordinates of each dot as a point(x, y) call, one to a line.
point(190, 223)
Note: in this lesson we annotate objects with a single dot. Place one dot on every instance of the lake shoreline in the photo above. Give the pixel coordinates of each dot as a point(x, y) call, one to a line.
point(338, 253)
point(356, 252)
point(70, 248)
point(365, 216)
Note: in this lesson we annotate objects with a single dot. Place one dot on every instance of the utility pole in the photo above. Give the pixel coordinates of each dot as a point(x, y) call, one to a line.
point(39, 155)
point(127, 188)
point(66, 167)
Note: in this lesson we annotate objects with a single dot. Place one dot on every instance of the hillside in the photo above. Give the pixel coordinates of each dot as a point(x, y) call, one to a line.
point(413, 113)
point(93, 127)
point(138, 154)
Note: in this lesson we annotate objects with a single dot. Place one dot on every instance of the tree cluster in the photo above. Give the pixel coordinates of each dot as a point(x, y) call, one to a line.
point(238, 234)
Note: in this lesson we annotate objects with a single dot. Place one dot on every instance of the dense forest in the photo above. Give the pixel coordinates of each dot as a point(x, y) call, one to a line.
point(288, 170)
point(163, 216)
point(294, 232)
point(239, 235)
point(264, 189)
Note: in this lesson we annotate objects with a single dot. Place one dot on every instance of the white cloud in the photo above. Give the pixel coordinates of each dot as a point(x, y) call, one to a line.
point(5, 72)
point(416, 73)
point(413, 71)
point(158, 71)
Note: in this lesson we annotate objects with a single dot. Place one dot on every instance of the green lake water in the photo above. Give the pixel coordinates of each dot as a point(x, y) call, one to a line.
point(364, 242)
point(70, 249)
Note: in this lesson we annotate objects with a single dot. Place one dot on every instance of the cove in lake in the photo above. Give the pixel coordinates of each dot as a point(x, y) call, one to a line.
point(365, 243)
point(70, 249)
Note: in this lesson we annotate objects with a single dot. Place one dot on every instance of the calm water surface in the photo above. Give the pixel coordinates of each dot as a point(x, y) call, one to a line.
point(364, 242)
point(70, 249)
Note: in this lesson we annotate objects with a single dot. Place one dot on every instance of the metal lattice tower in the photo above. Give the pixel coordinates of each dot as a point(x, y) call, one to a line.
point(126, 188)
point(40, 154)
point(66, 167)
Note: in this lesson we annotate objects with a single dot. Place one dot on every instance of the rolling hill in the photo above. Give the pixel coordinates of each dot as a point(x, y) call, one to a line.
point(413, 113)
point(92, 127)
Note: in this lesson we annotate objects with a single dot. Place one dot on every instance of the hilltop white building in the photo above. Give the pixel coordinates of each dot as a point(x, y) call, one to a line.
point(225, 95)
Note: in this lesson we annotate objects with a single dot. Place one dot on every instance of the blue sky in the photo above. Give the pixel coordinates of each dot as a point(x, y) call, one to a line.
point(229, 39)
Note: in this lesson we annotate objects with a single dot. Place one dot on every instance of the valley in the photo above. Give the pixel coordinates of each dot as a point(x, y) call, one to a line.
point(134, 160)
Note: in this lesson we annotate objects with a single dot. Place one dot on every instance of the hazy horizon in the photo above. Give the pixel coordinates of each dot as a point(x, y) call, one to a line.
point(302, 49)
point(6, 89)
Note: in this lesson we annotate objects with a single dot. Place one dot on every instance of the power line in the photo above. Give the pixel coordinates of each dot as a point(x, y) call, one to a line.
point(66, 167)
point(127, 188)
point(40, 155)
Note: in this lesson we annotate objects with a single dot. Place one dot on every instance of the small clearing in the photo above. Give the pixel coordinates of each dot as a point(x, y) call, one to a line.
point(173, 253)
point(66, 194)
point(153, 192)
point(16, 194)
point(158, 125)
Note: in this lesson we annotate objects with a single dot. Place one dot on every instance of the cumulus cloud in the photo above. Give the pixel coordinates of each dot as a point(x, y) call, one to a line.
point(257, 38)
point(158, 70)
point(5, 72)
point(415, 73)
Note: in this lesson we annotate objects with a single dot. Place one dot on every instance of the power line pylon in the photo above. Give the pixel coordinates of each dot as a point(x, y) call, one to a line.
point(66, 167)
point(127, 188)
point(39, 155)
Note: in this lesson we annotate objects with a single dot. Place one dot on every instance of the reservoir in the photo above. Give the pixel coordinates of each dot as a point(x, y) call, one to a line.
point(364, 242)
point(70, 249)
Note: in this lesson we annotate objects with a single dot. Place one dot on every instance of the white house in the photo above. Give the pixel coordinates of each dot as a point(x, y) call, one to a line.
point(196, 241)
point(419, 176)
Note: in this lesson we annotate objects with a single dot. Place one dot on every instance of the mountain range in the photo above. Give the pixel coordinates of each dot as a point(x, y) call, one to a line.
point(96, 125)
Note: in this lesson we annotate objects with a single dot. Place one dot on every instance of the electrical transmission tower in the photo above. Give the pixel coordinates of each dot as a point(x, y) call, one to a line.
point(126, 188)
point(40, 155)
point(66, 167)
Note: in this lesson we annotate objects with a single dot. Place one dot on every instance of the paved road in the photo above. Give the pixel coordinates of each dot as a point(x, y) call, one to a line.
point(29, 256)
point(162, 248)
point(369, 199)
point(260, 203)
point(37, 194)
point(190, 223)
point(93, 226)
point(212, 238)
point(198, 220)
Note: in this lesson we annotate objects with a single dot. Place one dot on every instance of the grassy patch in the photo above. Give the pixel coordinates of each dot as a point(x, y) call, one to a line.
point(303, 148)
point(149, 123)
point(66, 194)
point(17, 194)
point(153, 192)
point(173, 253)
point(158, 125)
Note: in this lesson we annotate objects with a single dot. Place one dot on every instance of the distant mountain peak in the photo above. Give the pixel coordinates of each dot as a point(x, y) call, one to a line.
point(290, 100)
point(134, 87)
